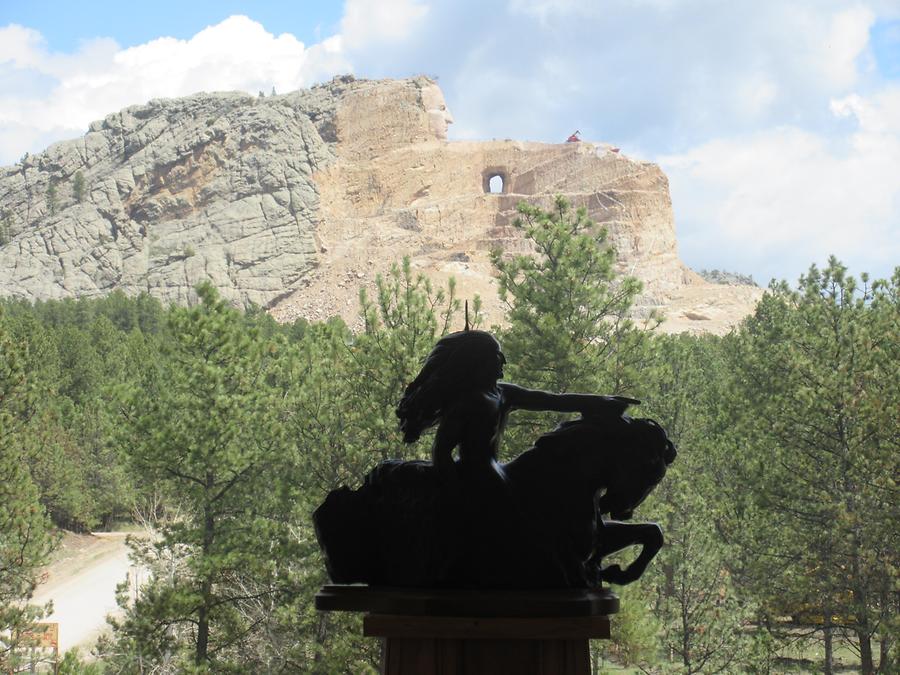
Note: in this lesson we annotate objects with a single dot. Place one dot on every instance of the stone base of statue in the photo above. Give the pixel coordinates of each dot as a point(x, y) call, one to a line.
point(477, 632)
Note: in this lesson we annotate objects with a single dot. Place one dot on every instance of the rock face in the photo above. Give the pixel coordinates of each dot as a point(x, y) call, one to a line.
point(293, 202)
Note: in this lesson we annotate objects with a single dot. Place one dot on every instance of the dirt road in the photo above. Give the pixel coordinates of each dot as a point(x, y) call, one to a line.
point(81, 582)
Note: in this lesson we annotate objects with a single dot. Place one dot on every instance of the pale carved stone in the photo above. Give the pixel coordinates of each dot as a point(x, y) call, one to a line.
point(292, 202)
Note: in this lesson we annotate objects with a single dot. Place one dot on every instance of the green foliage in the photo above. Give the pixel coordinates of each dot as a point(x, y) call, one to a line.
point(72, 664)
point(75, 356)
point(781, 502)
point(78, 187)
point(724, 277)
point(815, 374)
point(51, 197)
point(701, 614)
point(143, 313)
point(569, 327)
point(25, 537)
point(401, 327)
point(5, 228)
point(348, 385)
point(207, 423)
point(634, 633)
point(567, 311)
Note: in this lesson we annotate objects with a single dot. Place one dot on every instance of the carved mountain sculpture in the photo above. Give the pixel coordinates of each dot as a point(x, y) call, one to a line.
point(293, 202)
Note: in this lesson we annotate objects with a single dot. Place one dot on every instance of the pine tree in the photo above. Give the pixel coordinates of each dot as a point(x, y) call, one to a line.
point(207, 423)
point(5, 228)
point(78, 187)
point(25, 538)
point(569, 326)
point(568, 312)
point(401, 327)
point(51, 197)
point(702, 612)
point(816, 378)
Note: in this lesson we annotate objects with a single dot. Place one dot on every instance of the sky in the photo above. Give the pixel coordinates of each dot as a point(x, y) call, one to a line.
point(776, 121)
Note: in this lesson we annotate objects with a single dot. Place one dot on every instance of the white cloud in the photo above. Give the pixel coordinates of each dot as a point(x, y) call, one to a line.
point(775, 125)
point(779, 134)
point(847, 40)
point(659, 74)
point(756, 94)
point(236, 54)
point(20, 46)
point(785, 198)
point(878, 114)
point(368, 23)
point(543, 9)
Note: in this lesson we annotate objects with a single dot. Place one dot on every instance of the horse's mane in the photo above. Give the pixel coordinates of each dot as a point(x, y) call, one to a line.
point(639, 440)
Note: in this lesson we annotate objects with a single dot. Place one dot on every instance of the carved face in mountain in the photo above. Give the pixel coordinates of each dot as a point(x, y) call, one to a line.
point(439, 118)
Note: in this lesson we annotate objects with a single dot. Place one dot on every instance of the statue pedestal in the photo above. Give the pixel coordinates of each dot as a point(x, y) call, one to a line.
point(478, 632)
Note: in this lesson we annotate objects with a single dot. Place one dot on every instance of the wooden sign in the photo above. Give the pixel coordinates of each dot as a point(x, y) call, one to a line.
point(45, 635)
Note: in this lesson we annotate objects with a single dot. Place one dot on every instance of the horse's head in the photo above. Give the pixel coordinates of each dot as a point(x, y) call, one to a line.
point(637, 466)
point(625, 458)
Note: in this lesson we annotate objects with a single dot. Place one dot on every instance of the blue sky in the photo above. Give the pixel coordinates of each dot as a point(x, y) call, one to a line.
point(886, 46)
point(777, 121)
point(65, 24)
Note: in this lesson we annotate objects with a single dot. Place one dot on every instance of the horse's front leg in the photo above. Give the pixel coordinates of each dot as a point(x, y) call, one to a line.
point(614, 536)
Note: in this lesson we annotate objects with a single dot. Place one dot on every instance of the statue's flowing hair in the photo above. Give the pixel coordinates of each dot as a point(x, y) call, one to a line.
point(459, 362)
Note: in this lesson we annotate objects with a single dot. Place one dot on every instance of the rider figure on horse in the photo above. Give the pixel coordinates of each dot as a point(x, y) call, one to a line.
point(458, 389)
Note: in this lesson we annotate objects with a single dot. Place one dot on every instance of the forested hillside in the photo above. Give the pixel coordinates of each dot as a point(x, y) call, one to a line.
point(222, 430)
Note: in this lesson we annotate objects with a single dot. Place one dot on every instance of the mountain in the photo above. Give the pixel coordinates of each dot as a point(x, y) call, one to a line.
point(293, 202)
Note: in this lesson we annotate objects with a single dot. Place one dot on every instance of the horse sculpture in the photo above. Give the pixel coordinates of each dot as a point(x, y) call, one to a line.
point(548, 520)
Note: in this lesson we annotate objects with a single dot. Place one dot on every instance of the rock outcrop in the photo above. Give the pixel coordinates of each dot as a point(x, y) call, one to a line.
point(292, 202)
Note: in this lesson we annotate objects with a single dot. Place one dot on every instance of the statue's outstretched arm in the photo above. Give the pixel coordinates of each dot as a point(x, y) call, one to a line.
point(589, 405)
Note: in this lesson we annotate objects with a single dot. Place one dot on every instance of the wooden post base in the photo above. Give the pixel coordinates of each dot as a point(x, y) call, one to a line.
point(457, 645)
point(477, 657)
point(478, 632)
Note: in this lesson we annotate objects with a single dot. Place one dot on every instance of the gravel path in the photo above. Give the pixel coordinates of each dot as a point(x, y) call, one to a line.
point(82, 586)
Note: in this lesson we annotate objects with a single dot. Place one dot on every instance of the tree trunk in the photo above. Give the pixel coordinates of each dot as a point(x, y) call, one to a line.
point(685, 637)
point(321, 637)
point(884, 656)
point(202, 634)
point(828, 667)
point(209, 525)
point(865, 653)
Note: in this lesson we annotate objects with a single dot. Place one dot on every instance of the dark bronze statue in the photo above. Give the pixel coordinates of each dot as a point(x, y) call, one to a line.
point(546, 519)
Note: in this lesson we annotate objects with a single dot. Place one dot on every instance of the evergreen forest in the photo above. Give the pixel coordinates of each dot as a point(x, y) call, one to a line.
point(216, 432)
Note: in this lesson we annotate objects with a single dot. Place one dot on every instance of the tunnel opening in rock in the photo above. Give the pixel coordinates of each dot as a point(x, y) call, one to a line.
point(494, 181)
